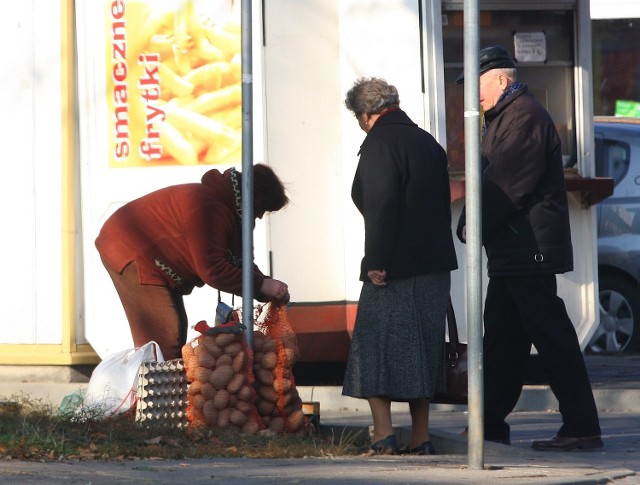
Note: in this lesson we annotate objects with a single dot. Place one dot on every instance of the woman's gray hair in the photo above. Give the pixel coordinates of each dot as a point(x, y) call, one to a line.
point(371, 96)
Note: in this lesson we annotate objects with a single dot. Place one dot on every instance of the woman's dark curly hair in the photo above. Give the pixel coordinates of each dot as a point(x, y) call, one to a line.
point(268, 191)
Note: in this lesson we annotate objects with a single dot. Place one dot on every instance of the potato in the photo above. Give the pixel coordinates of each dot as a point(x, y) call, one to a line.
point(268, 393)
point(246, 407)
point(224, 339)
point(210, 413)
point(202, 374)
point(203, 357)
point(277, 424)
point(221, 376)
point(258, 340)
point(251, 426)
point(289, 396)
point(239, 361)
point(197, 401)
point(264, 376)
point(269, 360)
point(208, 391)
point(290, 357)
point(294, 421)
point(190, 370)
point(223, 418)
point(296, 400)
point(195, 387)
point(209, 343)
point(246, 393)
point(282, 385)
point(237, 417)
point(265, 408)
point(233, 349)
point(195, 417)
point(269, 344)
point(224, 360)
point(236, 382)
point(221, 399)
point(187, 351)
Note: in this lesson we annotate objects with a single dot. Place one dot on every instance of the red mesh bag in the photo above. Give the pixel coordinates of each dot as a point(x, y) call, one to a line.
point(221, 392)
point(275, 353)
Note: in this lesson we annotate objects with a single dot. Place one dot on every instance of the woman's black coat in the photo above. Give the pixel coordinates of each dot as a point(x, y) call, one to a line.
point(401, 187)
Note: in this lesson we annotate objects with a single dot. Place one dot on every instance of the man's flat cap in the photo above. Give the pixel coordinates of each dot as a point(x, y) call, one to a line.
point(491, 57)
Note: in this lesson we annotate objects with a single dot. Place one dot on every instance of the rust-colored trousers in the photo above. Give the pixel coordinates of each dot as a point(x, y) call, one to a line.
point(154, 312)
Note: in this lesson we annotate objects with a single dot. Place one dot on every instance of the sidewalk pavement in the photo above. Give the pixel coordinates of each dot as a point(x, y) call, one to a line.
point(618, 462)
point(616, 384)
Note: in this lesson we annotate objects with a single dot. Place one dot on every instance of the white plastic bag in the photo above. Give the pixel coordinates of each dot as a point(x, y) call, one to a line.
point(112, 388)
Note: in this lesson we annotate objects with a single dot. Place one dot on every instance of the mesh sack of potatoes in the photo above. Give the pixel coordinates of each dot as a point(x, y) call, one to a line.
point(221, 393)
point(275, 353)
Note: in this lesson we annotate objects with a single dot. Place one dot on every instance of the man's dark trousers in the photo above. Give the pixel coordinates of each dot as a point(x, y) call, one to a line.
point(520, 311)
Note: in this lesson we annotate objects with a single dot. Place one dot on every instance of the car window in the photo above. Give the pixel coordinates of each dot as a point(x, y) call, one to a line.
point(619, 219)
point(612, 159)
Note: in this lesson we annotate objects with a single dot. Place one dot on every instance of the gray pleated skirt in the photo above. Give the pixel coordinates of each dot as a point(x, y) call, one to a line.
point(397, 348)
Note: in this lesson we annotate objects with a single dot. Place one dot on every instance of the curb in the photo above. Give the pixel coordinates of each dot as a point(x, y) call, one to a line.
point(533, 398)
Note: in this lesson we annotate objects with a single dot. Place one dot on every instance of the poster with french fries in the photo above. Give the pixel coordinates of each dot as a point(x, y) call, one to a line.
point(173, 82)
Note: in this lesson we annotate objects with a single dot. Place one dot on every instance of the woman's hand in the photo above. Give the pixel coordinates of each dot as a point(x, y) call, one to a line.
point(377, 276)
point(275, 290)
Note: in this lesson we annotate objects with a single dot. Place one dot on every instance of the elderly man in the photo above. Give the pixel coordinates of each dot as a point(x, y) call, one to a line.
point(526, 235)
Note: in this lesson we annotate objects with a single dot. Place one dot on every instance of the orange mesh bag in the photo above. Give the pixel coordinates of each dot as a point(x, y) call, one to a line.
point(221, 393)
point(275, 353)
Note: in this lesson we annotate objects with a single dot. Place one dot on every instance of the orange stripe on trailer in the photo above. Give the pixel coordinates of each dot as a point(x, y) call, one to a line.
point(323, 330)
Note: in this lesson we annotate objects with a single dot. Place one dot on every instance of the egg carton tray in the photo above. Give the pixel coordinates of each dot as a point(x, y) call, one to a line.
point(162, 393)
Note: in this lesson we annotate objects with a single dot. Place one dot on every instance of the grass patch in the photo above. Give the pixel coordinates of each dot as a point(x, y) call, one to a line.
point(33, 430)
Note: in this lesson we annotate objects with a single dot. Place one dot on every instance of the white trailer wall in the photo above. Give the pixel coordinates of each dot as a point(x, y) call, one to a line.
point(313, 52)
point(30, 186)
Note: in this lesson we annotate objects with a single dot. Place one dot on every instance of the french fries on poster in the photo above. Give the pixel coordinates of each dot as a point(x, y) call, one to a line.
point(173, 82)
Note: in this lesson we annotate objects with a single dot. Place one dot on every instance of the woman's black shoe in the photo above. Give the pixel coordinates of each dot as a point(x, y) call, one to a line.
point(386, 446)
point(425, 448)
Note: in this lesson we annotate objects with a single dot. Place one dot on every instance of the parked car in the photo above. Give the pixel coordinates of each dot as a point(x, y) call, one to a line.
point(618, 156)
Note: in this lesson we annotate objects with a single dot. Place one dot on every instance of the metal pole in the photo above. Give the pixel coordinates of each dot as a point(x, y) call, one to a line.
point(247, 171)
point(474, 232)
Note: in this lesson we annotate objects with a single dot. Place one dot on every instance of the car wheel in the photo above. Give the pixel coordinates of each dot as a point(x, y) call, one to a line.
point(619, 316)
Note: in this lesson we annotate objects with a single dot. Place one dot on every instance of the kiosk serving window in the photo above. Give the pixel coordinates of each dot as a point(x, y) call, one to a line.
point(542, 44)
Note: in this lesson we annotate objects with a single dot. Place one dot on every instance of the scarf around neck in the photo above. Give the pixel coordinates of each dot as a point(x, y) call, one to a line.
point(511, 89)
point(235, 185)
point(516, 86)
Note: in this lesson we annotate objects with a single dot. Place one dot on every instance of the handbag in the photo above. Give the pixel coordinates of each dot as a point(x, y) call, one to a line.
point(455, 366)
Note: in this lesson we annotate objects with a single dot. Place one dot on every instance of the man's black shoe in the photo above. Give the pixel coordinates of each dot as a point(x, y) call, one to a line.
point(567, 443)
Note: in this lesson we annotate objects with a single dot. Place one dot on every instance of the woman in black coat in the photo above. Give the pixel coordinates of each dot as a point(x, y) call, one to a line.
point(401, 187)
